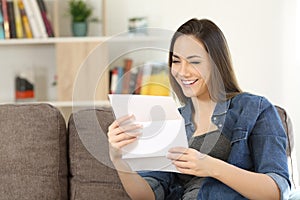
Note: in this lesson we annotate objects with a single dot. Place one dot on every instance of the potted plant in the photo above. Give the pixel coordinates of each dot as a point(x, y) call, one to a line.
point(80, 13)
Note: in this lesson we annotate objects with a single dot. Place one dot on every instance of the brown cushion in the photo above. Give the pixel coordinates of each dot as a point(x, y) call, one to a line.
point(32, 152)
point(292, 161)
point(93, 175)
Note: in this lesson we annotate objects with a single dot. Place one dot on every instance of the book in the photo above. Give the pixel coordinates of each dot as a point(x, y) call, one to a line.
point(144, 87)
point(113, 80)
point(2, 34)
point(32, 19)
point(18, 20)
point(119, 83)
point(133, 78)
point(11, 19)
point(24, 85)
point(25, 21)
point(155, 80)
point(5, 19)
point(159, 80)
point(126, 75)
point(38, 18)
point(47, 23)
point(138, 81)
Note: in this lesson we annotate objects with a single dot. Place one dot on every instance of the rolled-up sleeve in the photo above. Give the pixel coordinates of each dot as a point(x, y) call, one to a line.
point(268, 145)
point(282, 185)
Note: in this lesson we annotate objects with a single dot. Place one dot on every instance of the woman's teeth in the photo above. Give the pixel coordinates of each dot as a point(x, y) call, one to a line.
point(188, 82)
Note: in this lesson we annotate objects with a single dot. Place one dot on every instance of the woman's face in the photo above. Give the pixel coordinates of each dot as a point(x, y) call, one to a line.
point(191, 66)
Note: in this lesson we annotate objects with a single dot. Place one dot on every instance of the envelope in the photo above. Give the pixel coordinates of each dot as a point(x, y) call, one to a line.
point(163, 128)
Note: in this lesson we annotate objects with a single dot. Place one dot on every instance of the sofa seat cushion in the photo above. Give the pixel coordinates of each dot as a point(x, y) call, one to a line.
point(92, 173)
point(32, 152)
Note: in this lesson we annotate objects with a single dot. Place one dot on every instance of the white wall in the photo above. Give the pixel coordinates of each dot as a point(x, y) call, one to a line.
point(261, 36)
point(291, 71)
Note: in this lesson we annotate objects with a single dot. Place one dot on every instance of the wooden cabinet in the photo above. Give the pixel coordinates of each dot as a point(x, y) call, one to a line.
point(82, 71)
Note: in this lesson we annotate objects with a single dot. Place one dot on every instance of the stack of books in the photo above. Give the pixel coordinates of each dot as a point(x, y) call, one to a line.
point(150, 78)
point(24, 19)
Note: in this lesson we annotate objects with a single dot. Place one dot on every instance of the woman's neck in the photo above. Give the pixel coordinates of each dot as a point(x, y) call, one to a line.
point(203, 110)
point(203, 103)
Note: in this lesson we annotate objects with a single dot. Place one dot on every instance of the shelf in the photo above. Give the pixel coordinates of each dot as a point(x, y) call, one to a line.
point(37, 41)
point(64, 103)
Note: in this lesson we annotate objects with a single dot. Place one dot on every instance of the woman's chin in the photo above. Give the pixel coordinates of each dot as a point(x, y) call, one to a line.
point(189, 94)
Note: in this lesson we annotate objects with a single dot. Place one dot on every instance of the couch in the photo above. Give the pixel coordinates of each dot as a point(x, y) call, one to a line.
point(44, 157)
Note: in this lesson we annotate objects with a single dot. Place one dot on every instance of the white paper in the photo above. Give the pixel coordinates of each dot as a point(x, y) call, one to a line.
point(163, 128)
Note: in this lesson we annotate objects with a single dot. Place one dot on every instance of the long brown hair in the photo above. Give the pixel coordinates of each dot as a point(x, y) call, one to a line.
point(222, 84)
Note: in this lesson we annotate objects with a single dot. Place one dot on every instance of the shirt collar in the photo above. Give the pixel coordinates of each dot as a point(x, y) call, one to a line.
point(222, 108)
point(186, 111)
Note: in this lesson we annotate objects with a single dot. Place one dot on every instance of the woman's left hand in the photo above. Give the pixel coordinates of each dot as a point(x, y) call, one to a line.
point(190, 161)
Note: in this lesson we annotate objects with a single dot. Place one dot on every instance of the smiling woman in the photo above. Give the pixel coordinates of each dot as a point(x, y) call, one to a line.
point(209, 52)
point(191, 66)
point(237, 144)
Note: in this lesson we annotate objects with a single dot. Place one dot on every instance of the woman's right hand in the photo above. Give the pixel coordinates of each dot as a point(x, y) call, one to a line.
point(121, 133)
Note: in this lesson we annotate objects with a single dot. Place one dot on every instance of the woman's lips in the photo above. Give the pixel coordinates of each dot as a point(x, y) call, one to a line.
point(188, 82)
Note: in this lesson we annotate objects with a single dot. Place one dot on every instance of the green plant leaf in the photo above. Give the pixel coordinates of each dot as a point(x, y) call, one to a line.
point(79, 10)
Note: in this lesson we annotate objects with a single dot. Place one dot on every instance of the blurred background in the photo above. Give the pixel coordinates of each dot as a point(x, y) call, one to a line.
point(263, 37)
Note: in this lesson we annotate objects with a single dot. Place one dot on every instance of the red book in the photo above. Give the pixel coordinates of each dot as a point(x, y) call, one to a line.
point(5, 19)
point(47, 23)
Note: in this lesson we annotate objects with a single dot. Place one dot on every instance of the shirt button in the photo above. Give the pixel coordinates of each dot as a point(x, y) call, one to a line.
point(219, 125)
point(214, 119)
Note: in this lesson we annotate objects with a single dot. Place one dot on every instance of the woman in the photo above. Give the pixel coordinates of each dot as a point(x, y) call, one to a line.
point(236, 140)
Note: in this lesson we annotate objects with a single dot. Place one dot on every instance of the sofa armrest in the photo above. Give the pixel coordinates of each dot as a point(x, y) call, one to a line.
point(33, 160)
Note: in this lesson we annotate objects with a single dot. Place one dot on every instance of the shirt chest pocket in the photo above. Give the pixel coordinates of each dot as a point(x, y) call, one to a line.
point(240, 154)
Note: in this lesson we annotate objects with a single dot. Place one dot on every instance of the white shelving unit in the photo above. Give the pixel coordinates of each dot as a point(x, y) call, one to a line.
point(16, 54)
point(64, 55)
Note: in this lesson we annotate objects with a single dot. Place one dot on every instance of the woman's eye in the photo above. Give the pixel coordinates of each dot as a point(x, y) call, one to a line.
point(195, 62)
point(175, 61)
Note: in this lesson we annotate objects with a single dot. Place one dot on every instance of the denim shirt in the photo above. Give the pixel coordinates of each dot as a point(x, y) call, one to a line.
point(258, 144)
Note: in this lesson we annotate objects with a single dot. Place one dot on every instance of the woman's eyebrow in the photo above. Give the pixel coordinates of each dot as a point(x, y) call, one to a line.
point(193, 56)
point(189, 57)
point(175, 56)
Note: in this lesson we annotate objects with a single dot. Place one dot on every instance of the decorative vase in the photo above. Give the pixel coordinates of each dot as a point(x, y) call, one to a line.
point(79, 29)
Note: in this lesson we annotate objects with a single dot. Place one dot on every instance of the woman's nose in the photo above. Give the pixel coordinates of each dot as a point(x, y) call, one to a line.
point(183, 68)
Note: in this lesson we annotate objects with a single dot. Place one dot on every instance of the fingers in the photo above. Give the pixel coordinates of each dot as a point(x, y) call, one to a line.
point(126, 132)
point(129, 129)
point(119, 136)
point(181, 150)
point(177, 153)
point(174, 156)
point(181, 156)
point(123, 143)
point(181, 153)
point(120, 120)
point(122, 132)
point(188, 161)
